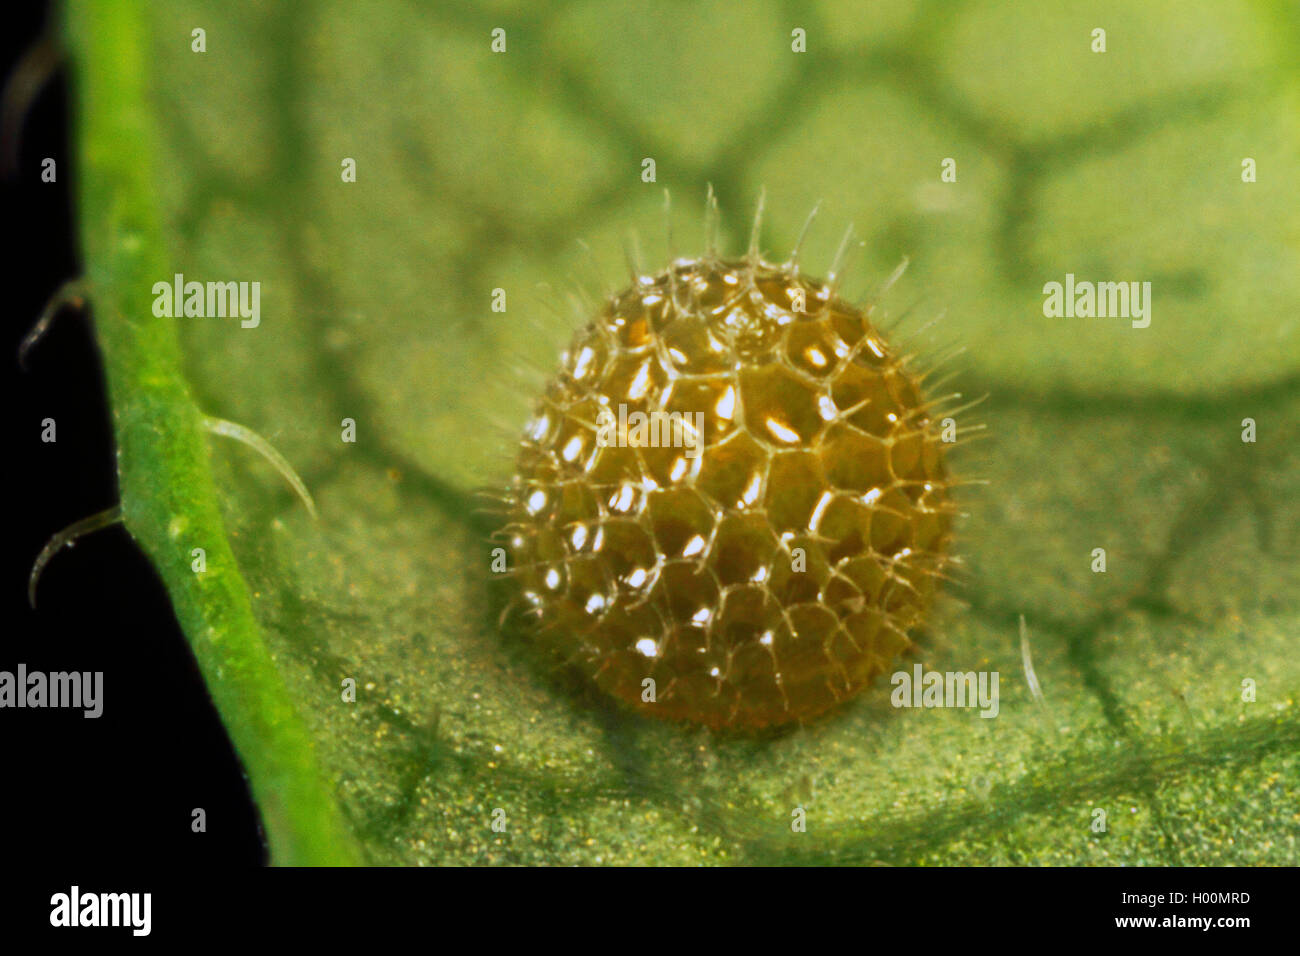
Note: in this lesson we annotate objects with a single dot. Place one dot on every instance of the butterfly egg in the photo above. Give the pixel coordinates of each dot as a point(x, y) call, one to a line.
point(731, 506)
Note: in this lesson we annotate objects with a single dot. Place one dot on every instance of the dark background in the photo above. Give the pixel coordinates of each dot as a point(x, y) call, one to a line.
point(119, 789)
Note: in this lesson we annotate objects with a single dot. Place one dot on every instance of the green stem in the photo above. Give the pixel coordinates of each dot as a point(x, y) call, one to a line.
point(169, 499)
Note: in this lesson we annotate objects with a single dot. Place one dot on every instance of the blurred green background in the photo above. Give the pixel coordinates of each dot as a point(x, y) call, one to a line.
point(479, 170)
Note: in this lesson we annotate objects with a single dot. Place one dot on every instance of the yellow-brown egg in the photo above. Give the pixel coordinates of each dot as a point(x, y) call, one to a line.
point(758, 549)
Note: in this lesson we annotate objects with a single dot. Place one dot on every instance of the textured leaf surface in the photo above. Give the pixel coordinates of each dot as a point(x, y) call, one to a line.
point(478, 171)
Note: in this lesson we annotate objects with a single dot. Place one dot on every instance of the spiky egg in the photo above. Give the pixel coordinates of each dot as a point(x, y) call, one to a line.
point(760, 541)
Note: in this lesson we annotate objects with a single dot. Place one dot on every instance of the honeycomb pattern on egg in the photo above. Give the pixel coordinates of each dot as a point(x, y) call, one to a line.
point(771, 562)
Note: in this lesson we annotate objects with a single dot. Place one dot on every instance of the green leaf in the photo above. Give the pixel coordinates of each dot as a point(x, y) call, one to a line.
point(169, 502)
point(479, 171)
